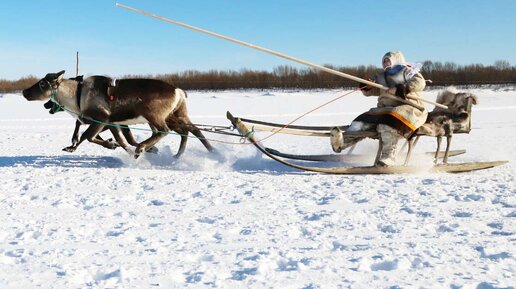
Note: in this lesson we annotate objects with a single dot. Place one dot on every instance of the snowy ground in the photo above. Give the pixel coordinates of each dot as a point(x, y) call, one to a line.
point(99, 219)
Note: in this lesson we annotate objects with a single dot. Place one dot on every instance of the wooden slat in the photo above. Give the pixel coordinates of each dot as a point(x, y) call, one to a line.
point(302, 127)
point(258, 127)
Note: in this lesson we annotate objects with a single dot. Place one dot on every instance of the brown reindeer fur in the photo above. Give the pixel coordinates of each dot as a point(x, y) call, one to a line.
point(151, 101)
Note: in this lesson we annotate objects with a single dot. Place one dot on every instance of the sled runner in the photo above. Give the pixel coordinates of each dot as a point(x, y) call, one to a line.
point(246, 132)
point(342, 157)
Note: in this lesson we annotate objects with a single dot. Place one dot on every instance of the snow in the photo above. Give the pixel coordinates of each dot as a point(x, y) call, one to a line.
point(97, 218)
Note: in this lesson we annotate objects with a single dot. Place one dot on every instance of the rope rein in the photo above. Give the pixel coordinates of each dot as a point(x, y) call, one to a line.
point(214, 129)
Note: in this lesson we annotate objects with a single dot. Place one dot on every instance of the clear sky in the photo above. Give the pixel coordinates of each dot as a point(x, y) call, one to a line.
point(43, 36)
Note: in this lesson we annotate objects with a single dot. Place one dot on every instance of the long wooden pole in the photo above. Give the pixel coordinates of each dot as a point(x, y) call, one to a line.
point(77, 64)
point(282, 55)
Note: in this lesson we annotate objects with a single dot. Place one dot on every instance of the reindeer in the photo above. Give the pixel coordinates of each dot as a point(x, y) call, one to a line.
point(101, 83)
point(445, 122)
point(130, 101)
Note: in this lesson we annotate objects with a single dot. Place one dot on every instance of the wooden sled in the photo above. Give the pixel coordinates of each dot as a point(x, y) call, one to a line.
point(441, 168)
point(324, 131)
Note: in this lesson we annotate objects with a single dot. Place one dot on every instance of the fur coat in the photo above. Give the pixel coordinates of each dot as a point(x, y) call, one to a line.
point(403, 117)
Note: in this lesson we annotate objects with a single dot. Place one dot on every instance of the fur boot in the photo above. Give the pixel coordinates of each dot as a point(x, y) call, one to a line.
point(340, 142)
point(389, 139)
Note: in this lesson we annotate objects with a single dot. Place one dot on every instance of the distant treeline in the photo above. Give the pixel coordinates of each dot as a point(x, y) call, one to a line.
point(441, 74)
point(7, 86)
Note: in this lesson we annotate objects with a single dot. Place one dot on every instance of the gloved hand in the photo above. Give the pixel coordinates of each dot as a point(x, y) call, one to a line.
point(401, 91)
point(364, 87)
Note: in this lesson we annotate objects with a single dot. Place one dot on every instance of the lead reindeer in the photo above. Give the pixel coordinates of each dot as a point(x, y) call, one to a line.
point(101, 85)
point(131, 101)
point(445, 122)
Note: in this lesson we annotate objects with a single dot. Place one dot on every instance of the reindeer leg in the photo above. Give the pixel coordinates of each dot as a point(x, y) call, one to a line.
point(75, 136)
point(119, 138)
point(129, 136)
point(91, 135)
point(184, 138)
point(94, 137)
point(448, 144)
point(159, 131)
point(189, 126)
point(130, 139)
point(436, 156)
point(195, 131)
point(182, 144)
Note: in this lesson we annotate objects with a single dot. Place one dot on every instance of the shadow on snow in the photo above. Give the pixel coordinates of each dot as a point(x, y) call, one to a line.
point(197, 161)
point(61, 161)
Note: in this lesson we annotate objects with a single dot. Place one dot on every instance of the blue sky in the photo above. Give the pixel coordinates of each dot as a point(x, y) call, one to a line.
point(43, 36)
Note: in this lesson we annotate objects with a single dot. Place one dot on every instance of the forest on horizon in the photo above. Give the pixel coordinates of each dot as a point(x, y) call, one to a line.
point(288, 77)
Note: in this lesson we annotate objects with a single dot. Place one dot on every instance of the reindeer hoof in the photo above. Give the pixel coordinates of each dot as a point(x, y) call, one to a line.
point(152, 150)
point(138, 151)
point(111, 144)
point(69, 149)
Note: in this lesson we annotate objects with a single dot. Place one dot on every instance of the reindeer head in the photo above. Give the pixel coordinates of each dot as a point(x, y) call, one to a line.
point(42, 90)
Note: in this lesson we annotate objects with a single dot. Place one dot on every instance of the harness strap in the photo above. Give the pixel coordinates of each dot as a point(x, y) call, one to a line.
point(78, 94)
point(79, 79)
point(111, 90)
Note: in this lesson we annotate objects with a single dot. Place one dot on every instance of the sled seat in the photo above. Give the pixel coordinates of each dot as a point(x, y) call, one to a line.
point(447, 126)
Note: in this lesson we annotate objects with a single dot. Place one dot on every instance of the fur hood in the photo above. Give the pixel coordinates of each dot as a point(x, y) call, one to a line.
point(396, 57)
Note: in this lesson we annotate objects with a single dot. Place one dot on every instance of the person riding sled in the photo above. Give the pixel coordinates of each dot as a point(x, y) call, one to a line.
point(392, 119)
